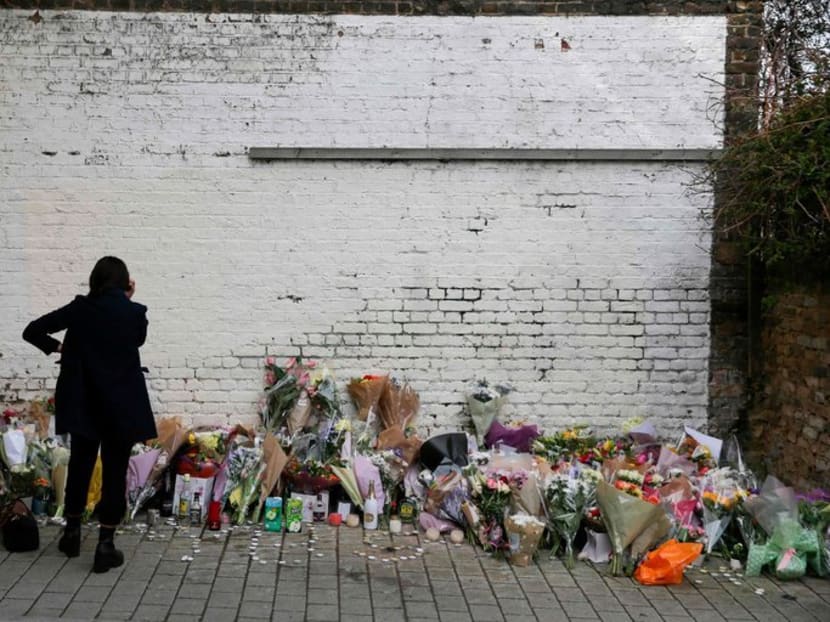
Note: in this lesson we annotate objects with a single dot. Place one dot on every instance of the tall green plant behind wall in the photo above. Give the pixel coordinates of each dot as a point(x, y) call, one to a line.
point(774, 188)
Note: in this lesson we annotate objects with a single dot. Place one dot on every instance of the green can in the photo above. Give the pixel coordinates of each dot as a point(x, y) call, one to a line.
point(273, 514)
point(294, 515)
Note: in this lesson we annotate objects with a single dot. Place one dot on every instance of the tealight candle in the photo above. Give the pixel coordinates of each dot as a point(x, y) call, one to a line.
point(353, 520)
point(395, 525)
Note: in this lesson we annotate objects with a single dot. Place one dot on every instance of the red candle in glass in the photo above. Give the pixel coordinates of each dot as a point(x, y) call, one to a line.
point(214, 520)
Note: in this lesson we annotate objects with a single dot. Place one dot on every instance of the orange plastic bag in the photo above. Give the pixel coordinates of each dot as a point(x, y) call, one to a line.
point(665, 564)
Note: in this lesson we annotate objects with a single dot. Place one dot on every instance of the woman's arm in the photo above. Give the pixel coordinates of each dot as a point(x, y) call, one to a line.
point(37, 332)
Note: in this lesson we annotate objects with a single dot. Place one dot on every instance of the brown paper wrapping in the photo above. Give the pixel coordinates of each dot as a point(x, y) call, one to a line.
point(394, 438)
point(524, 540)
point(471, 513)
point(366, 394)
point(171, 436)
point(299, 415)
point(676, 485)
point(397, 406)
point(40, 418)
point(528, 498)
point(275, 460)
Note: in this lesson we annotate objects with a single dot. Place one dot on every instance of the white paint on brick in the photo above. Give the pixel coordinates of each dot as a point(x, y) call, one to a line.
point(584, 284)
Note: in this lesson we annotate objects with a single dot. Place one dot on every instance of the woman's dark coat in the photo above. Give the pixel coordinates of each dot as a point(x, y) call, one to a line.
point(101, 392)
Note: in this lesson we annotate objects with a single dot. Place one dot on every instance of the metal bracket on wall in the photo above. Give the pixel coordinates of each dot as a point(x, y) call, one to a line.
point(383, 153)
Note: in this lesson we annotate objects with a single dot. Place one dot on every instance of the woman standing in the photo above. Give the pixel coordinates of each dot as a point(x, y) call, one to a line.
point(101, 397)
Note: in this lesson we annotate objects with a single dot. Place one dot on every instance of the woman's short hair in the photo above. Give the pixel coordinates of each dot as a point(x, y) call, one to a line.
point(108, 273)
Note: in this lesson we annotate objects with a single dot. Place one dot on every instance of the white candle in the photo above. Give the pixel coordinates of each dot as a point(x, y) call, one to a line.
point(395, 525)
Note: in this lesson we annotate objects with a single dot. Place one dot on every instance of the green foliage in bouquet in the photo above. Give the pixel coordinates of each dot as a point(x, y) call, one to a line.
point(574, 441)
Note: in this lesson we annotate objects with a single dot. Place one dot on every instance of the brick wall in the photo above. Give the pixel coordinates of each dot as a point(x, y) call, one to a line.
point(586, 285)
point(790, 424)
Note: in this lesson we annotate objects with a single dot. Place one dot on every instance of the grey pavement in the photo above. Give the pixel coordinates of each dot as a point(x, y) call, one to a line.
point(337, 573)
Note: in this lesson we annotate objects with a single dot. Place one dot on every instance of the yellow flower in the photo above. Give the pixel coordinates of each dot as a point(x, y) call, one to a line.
point(236, 497)
point(191, 439)
point(343, 425)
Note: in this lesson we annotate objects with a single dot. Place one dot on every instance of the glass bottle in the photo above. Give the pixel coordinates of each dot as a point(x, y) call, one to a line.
point(184, 500)
point(166, 509)
point(319, 511)
point(370, 509)
point(196, 510)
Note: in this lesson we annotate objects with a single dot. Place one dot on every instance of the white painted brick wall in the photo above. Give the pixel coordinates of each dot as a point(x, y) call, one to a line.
point(126, 134)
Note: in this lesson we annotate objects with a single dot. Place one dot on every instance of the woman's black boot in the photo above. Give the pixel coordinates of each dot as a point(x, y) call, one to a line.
point(70, 542)
point(106, 555)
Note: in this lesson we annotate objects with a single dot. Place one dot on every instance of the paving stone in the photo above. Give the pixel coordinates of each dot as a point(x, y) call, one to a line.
point(14, 607)
point(574, 609)
point(54, 600)
point(486, 613)
point(218, 614)
point(618, 616)
point(322, 597)
point(253, 609)
point(81, 611)
point(321, 613)
point(646, 613)
point(115, 613)
point(159, 597)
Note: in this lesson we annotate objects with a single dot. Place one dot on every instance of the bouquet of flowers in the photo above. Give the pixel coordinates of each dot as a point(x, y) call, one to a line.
point(310, 476)
point(287, 401)
point(491, 494)
point(446, 495)
point(790, 546)
point(40, 458)
point(405, 443)
point(244, 471)
point(576, 441)
point(519, 436)
point(700, 449)
point(566, 500)
point(523, 534)
point(721, 492)
point(274, 459)
point(22, 480)
point(814, 513)
point(397, 406)
point(632, 523)
point(365, 392)
point(680, 501)
point(171, 436)
point(212, 444)
point(391, 470)
point(484, 403)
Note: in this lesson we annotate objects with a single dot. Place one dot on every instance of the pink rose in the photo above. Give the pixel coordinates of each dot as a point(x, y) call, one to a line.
point(270, 361)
